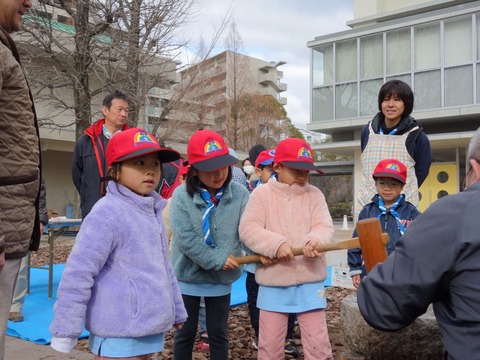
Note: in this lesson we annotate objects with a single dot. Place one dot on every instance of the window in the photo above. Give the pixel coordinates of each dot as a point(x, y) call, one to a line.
point(346, 61)
point(323, 104)
point(459, 86)
point(346, 100)
point(427, 90)
point(369, 96)
point(458, 40)
point(427, 46)
point(323, 65)
point(398, 51)
point(371, 56)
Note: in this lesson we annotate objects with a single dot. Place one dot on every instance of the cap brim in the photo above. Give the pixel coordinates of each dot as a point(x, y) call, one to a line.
point(389, 175)
point(266, 162)
point(215, 163)
point(165, 155)
point(301, 165)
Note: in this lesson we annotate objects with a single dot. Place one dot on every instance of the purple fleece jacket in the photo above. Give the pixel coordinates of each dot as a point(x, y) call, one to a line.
point(118, 279)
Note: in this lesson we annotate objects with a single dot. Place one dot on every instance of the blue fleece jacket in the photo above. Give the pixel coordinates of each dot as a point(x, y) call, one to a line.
point(193, 260)
point(407, 213)
point(118, 278)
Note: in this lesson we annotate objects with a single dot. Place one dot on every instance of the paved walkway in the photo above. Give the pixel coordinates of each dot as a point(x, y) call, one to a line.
point(17, 349)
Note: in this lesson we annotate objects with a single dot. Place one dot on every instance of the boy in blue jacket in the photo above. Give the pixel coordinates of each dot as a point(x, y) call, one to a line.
point(389, 206)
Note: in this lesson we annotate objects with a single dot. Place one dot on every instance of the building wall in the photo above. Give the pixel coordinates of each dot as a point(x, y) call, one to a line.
point(434, 49)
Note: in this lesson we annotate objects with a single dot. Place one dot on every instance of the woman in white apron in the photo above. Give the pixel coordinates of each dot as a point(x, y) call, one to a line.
point(393, 133)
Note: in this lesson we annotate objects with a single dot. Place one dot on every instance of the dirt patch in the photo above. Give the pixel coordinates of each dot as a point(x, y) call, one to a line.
point(240, 332)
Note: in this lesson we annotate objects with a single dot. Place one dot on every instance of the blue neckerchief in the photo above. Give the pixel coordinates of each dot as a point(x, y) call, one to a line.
point(211, 202)
point(392, 210)
point(390, 133)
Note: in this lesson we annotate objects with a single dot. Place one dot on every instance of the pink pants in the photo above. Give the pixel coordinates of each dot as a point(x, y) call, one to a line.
point(313, 327)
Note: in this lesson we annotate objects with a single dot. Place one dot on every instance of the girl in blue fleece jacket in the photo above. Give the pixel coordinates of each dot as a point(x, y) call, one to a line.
point(204, 218)
point(118, 280)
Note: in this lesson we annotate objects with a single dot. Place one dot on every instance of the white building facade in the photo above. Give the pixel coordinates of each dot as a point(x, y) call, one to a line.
point(432, 46)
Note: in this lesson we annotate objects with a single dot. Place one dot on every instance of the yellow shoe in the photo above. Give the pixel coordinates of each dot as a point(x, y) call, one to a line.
point(15, 316)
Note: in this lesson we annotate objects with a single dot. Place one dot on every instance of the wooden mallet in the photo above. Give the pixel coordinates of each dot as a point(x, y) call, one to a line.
point(370, 239)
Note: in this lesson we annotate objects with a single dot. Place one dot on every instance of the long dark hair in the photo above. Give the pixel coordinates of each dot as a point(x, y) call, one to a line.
point(194, 184)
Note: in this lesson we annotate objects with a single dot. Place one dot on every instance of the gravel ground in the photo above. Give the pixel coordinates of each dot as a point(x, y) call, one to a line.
point(240, 331)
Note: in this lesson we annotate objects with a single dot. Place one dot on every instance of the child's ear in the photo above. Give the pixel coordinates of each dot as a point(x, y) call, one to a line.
point(258, 172)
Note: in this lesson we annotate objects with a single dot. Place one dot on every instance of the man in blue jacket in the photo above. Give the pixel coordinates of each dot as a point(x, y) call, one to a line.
point(436, 261)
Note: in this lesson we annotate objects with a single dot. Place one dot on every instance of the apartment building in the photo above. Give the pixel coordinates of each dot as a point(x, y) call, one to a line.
point(434, 46)
point(227, 75)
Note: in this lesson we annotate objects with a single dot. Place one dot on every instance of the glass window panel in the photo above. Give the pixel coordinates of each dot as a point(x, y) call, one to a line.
point(398, 51)
point(323, 65)
point(346, 101)
point(427, 91)
point(478, 83)
point(405, 78)
point(458, 86)
point(478, 36)
point(323, 104)
point(427, 46)
point(371, 56)
point(369, 96)
point(346, 61)
point(458, 40)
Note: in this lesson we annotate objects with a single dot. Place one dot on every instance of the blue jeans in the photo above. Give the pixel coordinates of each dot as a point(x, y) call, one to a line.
point(217, 310)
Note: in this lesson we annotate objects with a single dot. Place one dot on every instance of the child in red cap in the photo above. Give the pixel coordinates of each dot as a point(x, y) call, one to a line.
point(204, 218)
point(281, 215)
point(264, 171)
point(118, 280)
point(389, 205)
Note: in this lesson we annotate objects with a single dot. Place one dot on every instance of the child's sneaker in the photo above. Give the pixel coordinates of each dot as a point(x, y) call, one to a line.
point(291, 349)
point(203, 344)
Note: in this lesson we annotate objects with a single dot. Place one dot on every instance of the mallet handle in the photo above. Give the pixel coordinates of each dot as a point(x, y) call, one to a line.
point(338, 245)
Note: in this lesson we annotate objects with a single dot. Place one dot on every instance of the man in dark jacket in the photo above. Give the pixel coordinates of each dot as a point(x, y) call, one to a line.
point(20, 162)
point(89, 169)
point(436, 261)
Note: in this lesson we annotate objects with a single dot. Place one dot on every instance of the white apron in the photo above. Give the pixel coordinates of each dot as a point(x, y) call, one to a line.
point(380, 147)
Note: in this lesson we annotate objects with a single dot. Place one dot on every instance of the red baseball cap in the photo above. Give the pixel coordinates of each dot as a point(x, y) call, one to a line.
point(207, 151)
point(391, 168)
point(265, 158)
point(136, 142)
point(296, 154)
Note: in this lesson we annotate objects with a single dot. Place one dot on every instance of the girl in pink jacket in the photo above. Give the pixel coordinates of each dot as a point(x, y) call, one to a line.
point(283, 214)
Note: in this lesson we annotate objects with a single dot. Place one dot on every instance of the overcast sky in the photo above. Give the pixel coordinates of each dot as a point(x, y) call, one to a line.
point(274, 30)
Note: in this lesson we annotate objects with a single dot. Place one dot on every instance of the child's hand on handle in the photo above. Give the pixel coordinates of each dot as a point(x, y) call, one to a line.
point(230, 264)
point(356, 280)
point(178, 326)
point(309, 249)
point(284, 253)
point(267, 261)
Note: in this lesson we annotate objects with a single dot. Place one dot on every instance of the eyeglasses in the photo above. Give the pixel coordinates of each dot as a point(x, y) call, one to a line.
point(390, 184)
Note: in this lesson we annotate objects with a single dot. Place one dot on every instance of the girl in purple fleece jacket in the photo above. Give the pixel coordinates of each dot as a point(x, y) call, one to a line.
point(118, 280)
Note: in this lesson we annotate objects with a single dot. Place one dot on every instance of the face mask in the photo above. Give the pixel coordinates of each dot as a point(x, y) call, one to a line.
point(248, 169)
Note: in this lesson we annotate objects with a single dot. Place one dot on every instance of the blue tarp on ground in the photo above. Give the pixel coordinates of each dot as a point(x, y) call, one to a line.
point(38, 309)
